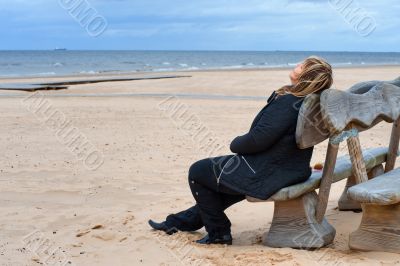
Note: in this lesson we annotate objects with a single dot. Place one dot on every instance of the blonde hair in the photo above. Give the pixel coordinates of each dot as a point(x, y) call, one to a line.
point(316, 76)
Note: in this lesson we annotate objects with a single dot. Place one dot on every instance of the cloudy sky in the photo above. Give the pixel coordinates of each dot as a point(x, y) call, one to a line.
point(319, 25)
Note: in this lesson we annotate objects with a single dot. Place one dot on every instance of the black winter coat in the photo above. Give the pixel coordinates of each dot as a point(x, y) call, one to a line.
point(267, 157)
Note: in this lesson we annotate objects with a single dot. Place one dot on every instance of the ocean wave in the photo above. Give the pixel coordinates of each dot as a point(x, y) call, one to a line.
point(164, 69)
point(129, 63)
point(88, 72)
point(192, 68)
point(230, 67)
point(43, 74)
point(109, 71)
point(10, 75)
point(248, 64)
point(343, 64)
point(11, 64)
point(383, 64)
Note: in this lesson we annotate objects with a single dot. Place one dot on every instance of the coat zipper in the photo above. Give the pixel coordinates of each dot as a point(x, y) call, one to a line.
point(248, 165)
point(219, 177)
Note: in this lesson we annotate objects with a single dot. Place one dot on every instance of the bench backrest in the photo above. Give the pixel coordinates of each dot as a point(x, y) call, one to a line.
point(341, 115)
point(311, 128)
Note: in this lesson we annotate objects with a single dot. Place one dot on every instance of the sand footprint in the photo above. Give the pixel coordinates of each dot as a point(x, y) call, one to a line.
point(105, 236)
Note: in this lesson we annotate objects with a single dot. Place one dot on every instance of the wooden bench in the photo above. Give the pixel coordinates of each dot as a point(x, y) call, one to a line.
point(380, 200)
point(298, 220)
point(380, 225)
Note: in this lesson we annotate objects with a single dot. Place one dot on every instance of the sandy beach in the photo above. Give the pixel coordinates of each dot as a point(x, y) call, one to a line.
point(86, 196)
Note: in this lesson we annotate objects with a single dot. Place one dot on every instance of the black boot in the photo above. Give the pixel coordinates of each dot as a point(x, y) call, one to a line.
point(163, 227)
point(224, 240)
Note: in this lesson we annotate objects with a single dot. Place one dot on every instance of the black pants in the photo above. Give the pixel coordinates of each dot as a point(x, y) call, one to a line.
point(211, 200)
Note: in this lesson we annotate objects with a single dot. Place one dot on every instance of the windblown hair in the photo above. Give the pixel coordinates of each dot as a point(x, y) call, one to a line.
point(315, 78)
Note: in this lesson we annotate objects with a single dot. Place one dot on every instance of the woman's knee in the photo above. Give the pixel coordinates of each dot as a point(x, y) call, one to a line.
point(199, 170)
point(194, 171)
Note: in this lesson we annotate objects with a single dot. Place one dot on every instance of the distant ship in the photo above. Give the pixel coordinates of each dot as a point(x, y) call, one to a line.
point(60, 49)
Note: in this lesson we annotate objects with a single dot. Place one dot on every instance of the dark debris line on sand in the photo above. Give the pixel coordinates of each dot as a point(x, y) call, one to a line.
point(64, 84)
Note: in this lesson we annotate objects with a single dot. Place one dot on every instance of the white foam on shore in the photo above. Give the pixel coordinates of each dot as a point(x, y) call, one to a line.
point(44, 74)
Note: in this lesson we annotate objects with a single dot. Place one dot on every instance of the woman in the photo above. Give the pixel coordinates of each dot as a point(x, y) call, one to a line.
point(266, 159)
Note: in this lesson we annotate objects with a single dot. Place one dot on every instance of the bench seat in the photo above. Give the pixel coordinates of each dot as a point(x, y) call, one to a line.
point(382, 190)
point(380, 224)
point(343, 169)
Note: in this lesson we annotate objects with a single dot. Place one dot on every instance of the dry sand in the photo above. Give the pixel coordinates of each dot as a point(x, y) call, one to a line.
point(53, 201)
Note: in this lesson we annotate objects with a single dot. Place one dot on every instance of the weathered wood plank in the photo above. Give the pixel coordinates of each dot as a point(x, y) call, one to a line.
point(311, 128)
point(294, 225)
point(363, 87)
point(363, 111)
point(382, 190)
point(393, 146)
point(326, 180)
point(343, 169)
point(356, 157)
point(345, 202)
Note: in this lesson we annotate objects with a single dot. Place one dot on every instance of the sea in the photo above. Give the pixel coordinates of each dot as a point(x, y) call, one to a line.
point(61, 62)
